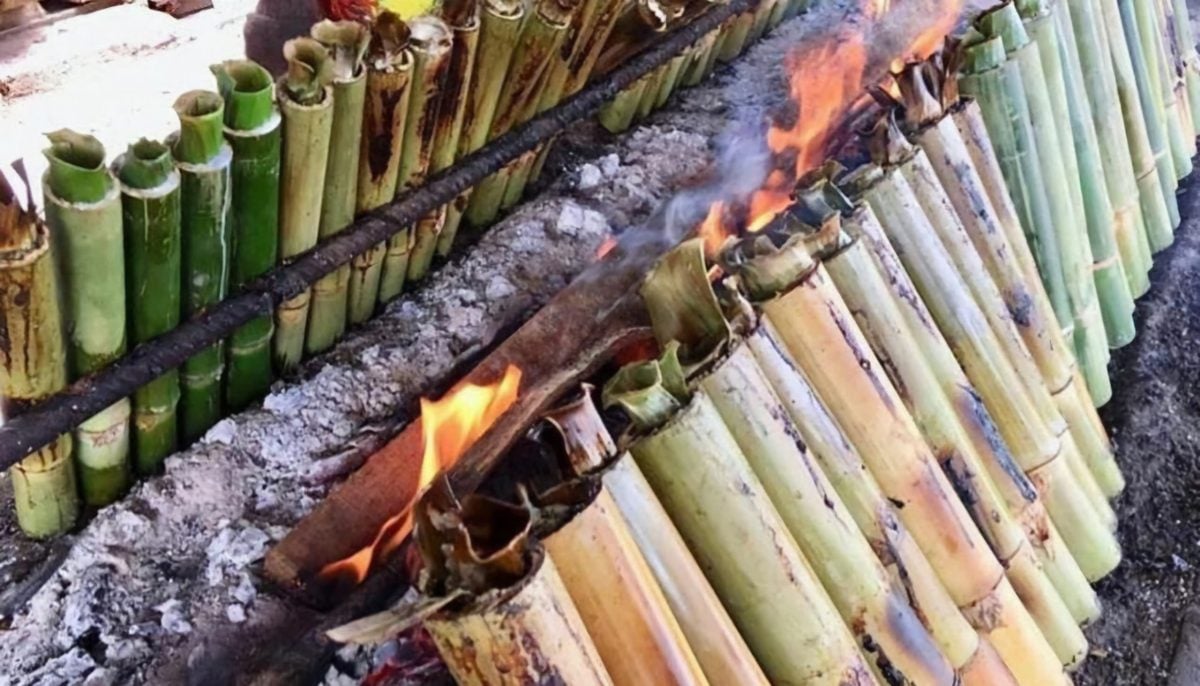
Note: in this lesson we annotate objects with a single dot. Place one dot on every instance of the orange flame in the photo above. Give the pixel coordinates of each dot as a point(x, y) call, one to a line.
point(606, 247)
point(713, 229)
point(449, 427)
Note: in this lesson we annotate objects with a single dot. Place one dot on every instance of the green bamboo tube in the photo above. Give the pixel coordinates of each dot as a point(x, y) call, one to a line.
point(646, 103)
point(33, 358)
point(683, 309)
point(1019, 495)
point(1184, 41)
point(541, 36)
point(974, 660)
point(347, 41)
point(252, 129)
point(752, 561)
point(150, 202)
point(1157, 57)
point(617, 115)
point(711, 634)
point(499, 33)
point(1061, 190)
point(1100, 83)
point(431, 46)
point(203, 159)
point(1150, 190)
point(306, 103)
point(1178, 58)
point(463, 19)
point(1035, 445)
point(735, 38)
point(762, 19)
point(697, 68)
point(1007, 260)
point(83, 210)
point(389, 79)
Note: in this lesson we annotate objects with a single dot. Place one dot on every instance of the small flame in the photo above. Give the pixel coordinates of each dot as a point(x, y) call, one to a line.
point(713, 229)
point(606, 247)
point(449, 427)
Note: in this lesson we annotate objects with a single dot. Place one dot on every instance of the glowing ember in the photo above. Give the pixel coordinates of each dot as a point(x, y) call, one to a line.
point(606, 247)
point(449, 427)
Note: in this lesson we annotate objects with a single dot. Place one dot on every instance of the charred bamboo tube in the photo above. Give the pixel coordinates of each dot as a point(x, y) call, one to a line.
point(818, 330)
point(431, 46)
point(1068, 229)
point(33, 359)
point(252, 129)
point(750, 558)
point(638, 638)
point(1035, 446)
point(1149, 40)
point(150, 202)
point(389, 84)
point(1150, 190)
point(347, 41)
point(203, 159)
point(715, 641)
point(684, 310)
point(500, 31)
point(542, 35)
point(975, 660)
point(83, 209)
point(306, 103)
point(1119, 173)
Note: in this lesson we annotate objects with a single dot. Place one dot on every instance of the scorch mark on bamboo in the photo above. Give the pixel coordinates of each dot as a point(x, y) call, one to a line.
point(379, 143)
point(977, 420)
point(862, 356)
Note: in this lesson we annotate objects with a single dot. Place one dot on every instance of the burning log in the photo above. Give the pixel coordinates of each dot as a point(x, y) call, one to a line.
point(203, 159)
point(33, 357)
point(83, 209)
point(389, 80)
point(306, 104)
point(252, 129)
point(347, 41)
point(150, 202)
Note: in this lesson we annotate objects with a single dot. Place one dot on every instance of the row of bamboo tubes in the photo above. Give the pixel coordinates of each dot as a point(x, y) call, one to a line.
point(258, 173)
point(866, 452)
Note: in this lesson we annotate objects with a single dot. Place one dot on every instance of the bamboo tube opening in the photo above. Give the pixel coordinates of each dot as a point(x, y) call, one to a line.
point(246, 88)
point(347, 41)
point(76, 173)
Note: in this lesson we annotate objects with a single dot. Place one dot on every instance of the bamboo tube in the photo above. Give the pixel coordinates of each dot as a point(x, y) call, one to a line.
point(752, 561)
point(819, 332)
point(541, 36)
point(684, 310)
point(1034, 444)
point(637, 637)
point(617, 115)
point(389, 83)
point(203, 159)
point(500, 31)
point(150, 201)
point(347, 41)
point(1150, 189)
point(645, 105)
point(974, 660)
point(1068, 228)
point(83, 210)
point(431, 46)
point(306, 104)
point(1182, 38)
point(697, 68)
point(33, 357)
point(735, 38)
point(1100, 83)
point(715, 641)
point(252, 129)
point(1177, 59)
point(1149, 38)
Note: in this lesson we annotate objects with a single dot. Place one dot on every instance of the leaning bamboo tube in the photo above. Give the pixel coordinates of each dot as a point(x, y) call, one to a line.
point(83, 210)
point(720, 649)
point(431, 46)
point(735, 39)
point(1100, 83)
point(252, 129)
point(1008, 261)
point(1068, 229)
point(1157, 57)
point(389, 83)
point(33, 358)
point(306, 103)
point(347, 42)
point(1177, 66)
point(1184, 42)
point(1036, 447)
point(499, 33)
point(637, 637)
point(819, 331)
point(684, 310)
point(1018, 492)
point(150, 202)
point(617, 114)
point(696, 69)
point(722, 511)
point(203, 159)
point(974, 660)
point(1150, 189)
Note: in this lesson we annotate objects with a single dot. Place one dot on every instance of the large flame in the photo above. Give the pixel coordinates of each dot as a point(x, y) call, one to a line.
point(449, 427)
